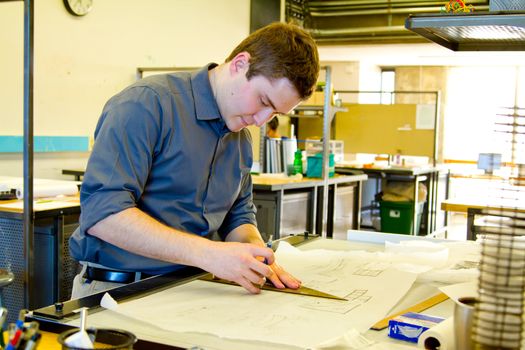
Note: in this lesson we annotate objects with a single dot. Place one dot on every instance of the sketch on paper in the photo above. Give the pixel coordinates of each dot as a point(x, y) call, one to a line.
point(371, 269)
point(355, 299)
point(205, 307)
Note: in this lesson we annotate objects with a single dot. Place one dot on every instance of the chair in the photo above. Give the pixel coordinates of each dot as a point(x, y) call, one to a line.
point(6, 278)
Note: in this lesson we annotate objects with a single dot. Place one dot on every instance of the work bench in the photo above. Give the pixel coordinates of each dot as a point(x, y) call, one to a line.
point(436, 180)
point(44, 274)
point(289, 205)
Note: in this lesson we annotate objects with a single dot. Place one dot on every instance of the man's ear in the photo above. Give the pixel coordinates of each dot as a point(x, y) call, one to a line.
point(240, 63)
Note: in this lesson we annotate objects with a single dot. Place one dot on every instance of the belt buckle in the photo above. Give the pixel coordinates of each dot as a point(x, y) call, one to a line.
point(107, 275)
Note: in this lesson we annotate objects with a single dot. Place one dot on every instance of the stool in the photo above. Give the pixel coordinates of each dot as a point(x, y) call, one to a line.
point(6, 278)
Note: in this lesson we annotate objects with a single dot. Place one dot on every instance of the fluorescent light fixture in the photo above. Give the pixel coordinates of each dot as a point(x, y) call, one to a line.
point(489, 31)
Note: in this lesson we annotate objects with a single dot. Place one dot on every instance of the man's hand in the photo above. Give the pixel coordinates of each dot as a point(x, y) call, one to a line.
point(267, 268)
point(282, 279)
point(242, 263)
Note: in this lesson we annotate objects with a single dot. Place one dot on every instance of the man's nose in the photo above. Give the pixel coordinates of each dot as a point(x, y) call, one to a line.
point(263, 116)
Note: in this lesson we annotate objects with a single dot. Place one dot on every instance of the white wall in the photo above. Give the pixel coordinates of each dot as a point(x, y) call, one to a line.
point(82, 61)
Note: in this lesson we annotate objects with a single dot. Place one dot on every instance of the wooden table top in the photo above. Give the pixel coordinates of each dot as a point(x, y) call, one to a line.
point(302, 182)
point(463, 204)
point(41, 204)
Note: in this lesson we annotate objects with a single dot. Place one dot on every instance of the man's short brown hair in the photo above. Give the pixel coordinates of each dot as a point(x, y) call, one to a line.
point(281, 50)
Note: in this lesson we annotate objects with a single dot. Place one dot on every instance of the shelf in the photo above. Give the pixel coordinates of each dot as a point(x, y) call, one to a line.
point(309, 108)
point(479, 31)
point(301, 111)
point(318, 111)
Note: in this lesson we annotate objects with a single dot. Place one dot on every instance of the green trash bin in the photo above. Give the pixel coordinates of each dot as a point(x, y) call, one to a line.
point(397, 217)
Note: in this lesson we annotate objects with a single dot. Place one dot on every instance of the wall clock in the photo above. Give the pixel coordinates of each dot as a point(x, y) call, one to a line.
point(78, 7)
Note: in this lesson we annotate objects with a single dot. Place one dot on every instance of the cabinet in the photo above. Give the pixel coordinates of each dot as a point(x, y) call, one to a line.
point(289, 206)
point(345, 212)
point(44, 275)
point(282, 214)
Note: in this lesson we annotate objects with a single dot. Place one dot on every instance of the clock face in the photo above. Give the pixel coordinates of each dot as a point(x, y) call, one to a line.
point(78, 7)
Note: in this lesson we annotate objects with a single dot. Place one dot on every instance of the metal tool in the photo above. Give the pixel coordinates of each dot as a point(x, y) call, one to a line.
point(267, 286)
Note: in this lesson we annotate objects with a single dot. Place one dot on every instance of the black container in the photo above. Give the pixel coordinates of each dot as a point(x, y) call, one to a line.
point(108, 339)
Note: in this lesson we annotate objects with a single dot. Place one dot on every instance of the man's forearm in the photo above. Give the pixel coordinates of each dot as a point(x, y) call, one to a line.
point(236, 260)
point(137, 232)
point(246, 233)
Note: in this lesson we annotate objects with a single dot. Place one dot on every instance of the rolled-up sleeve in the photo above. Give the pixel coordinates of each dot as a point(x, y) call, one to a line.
point(125, 144)
point(243, 211)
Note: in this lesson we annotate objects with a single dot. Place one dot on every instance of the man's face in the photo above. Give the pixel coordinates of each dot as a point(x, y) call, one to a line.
point(255, 101)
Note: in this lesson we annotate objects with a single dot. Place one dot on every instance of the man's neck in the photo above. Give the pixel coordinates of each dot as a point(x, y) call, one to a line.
point(216, 76)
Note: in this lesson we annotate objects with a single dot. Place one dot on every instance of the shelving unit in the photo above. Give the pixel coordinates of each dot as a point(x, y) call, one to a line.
point(328, 112)
point(389, 139)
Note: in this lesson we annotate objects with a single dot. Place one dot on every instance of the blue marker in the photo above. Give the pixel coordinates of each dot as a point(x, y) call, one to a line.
point(269, 242)
point(268, 245)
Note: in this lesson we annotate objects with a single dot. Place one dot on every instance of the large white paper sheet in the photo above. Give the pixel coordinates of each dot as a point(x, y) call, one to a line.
point(41, 187)
point(371, 287)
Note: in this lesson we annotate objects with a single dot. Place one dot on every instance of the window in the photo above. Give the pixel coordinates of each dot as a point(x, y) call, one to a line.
point(388, 81)
point(475, 96)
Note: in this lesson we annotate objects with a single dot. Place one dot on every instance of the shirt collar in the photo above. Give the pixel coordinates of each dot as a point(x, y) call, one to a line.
point(206, 107)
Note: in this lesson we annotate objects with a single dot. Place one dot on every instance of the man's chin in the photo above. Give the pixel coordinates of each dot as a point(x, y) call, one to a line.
point(237, 127)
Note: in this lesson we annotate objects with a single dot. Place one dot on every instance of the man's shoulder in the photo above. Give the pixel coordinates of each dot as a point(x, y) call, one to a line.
point(155, 87)
point(172, 82)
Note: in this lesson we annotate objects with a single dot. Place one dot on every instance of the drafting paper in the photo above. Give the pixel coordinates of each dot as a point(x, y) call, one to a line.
point(41, 187)
point(371, 287)
point(460, 290)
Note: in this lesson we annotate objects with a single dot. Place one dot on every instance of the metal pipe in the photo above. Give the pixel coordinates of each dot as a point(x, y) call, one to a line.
point(368, 39)
point(327, 120)
point(349, 31)
point(353, 3)
point(29, 27)
point(384, 11)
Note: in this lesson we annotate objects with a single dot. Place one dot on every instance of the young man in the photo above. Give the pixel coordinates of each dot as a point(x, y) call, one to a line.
point(171, 167)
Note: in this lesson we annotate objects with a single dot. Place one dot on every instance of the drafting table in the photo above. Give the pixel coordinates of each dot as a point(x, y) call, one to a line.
point(51, 320)
point(476, 206)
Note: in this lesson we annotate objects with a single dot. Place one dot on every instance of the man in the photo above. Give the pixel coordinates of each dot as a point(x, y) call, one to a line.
point(272, 128)
point(171, 167)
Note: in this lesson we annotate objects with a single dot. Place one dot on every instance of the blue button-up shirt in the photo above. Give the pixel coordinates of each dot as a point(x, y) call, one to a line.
point(162, 146)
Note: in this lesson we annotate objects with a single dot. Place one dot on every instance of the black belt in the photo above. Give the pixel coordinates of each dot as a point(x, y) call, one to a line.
point(106, 275)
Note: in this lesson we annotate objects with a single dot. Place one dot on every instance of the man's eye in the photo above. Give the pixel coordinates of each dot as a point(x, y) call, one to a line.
point(264, 103)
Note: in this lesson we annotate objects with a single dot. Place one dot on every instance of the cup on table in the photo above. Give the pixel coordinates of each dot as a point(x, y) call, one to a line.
point(463, 316)
point(107, 339)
